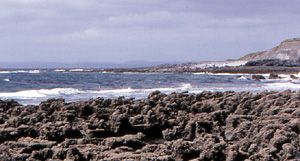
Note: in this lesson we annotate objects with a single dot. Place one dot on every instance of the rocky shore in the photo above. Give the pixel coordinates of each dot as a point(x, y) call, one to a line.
point(187, 69)
point(180, 126)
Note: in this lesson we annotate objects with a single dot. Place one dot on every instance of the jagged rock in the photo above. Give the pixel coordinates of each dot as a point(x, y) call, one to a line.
point(273, 76)
point(178, 126)
point(293, 77)
point(258, 77)
point(42, 155)
point(75, 155)
point(132, 141)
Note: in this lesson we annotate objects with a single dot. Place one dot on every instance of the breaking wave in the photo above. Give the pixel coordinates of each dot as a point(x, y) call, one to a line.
point(65, 92)
point(282, 86)
point(60, 70)
point(19, 71)
point(30, 94)
point(6, 80)
point(80, 70)
point(35, 96)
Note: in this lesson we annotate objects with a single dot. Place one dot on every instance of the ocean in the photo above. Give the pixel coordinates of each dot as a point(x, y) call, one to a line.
point(34, 86)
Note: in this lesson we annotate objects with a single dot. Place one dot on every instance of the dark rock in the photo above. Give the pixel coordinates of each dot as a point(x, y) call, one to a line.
point(274, 76)
point(132, 141)
point(42, 155)
point(5, 105)
point(258, 77)
point(178, 126)
point(293, 77)
point(274, 63)
point(184, 150)
point(75, 154)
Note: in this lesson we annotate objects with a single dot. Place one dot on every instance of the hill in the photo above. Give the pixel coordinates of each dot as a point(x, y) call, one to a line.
point(286, 50)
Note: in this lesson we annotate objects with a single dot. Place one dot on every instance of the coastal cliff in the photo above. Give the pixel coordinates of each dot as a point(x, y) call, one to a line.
point(286, 54)
point(286, 50)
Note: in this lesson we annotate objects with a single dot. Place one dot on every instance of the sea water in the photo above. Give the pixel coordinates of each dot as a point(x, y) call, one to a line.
point(34, 86)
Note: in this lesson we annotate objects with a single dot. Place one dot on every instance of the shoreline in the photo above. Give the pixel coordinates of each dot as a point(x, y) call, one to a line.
point(175, 69)
point(232, 70)
point(178, 126)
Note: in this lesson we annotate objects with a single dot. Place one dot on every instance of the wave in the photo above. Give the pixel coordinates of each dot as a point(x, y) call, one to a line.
point(80, 70)
point(64, 92)
point(30, 94)
point(204, 65)
point(74, 94)
point(209, 73)
point(182, 87)
point(243, 78)
point(106, 72)
point(228, 74)
point(19, 71)
point(282, 86)
point(6, 80)
point(60, 70)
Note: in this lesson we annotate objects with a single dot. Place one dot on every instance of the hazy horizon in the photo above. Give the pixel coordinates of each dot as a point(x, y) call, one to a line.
point(114, 31)
point(125, 64)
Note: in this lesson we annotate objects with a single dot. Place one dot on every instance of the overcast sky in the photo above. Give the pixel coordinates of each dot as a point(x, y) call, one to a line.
point(150, 30)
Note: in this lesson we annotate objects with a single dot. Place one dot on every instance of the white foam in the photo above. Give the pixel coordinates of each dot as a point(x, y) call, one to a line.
point(6, 80)
point(72, 94)
point(204, 65)
point(130, 72)
point(66, 92)
point(282, 86)
point(31, 94)
point(59, 70)
point(243, 78)
point(80, 70)
point(186, 86)
point(200, 73)
point(106, 72)
point(182, 87)
point(209, 73)
point(19, 71)
point(34, 71)
point(113, 91)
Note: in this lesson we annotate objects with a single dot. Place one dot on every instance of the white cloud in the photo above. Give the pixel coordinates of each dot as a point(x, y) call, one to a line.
point(157, 28)
point(40, 3)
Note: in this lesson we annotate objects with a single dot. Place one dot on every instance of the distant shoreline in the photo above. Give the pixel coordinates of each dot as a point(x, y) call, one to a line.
point(233, 70)
point(176, 69)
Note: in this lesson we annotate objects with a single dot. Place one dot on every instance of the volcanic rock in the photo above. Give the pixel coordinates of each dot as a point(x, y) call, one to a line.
point(178, 126)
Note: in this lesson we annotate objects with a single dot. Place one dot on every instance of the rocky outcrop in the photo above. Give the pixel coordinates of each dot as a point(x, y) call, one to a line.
point(274, 63)
point(287, 50)
point(180, 126)
point(258, 77)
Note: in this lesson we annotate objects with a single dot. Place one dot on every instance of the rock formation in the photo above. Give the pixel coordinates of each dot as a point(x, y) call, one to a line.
point(180, 126)
point(287, 50)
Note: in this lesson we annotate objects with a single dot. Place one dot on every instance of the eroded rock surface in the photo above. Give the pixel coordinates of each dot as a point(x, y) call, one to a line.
point(180, 126)
point(286, 50)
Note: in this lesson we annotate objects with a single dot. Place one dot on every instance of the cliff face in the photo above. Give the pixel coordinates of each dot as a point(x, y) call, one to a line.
point(286, 50)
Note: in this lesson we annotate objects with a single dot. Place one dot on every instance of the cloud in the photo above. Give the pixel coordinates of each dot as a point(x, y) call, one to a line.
point(45, 3)
point(80, 30)
point(161, 24)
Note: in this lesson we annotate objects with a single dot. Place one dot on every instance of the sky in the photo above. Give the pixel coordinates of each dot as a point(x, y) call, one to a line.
point(142, 30)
